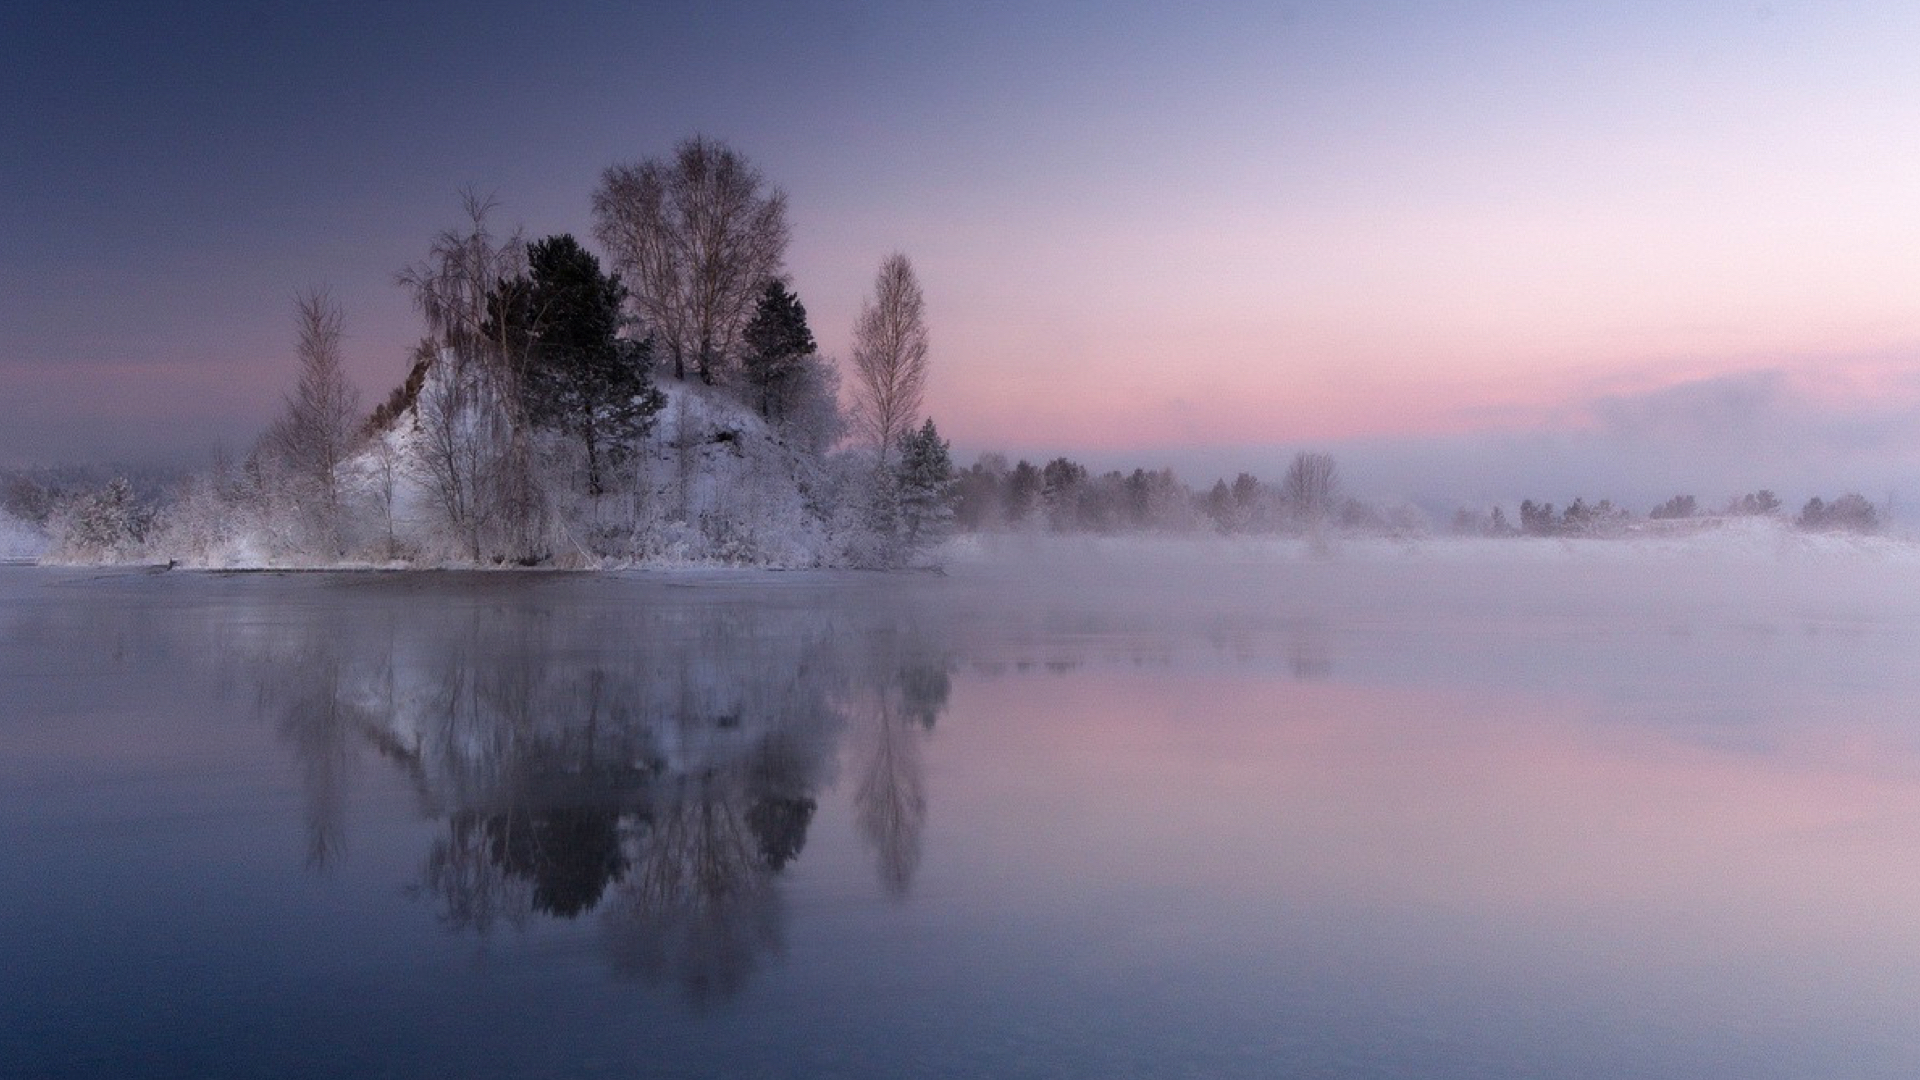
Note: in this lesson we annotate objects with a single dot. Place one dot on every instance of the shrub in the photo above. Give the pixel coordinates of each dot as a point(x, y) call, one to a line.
point(1848, 513)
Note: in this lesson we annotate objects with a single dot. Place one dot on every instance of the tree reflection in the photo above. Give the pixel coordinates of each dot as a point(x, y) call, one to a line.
point(892, 800)
point(473, 893)
point(655, 766)
point(699, 905)
point(906, 690)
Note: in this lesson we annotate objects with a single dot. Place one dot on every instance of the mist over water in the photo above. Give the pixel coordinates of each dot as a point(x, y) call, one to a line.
point(1067, 810)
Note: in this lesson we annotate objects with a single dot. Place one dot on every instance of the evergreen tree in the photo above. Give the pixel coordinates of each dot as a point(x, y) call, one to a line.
point(1062, 483)
point(923, 482)
point(778, 341)
point(582, 377)
point(1220, 506)
point(1024, 486)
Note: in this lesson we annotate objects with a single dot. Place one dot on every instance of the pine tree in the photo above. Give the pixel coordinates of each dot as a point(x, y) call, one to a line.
point(778, 341)
point(582, 377)
point(923, 480)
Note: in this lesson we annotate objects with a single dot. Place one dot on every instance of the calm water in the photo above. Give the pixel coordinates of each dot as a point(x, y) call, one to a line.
point(1366, 818)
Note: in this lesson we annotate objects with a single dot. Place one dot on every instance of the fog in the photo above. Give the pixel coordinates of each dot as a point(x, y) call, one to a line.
point(1713, 437)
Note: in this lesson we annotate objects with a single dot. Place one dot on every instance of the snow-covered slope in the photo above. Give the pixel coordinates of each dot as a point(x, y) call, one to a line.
point(713, 483)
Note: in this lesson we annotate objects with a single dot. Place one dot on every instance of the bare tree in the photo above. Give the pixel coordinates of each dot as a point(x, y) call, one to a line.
point(1309, 487)
point(387, 465)
point(890, 357)
point(315, 434)
point(695, 239)
point(477, 457)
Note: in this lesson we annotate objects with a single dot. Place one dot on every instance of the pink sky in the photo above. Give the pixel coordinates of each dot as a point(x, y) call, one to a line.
point(1142, 231)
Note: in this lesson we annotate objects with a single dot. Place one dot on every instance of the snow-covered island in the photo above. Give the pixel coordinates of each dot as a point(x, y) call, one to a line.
point(672, 410)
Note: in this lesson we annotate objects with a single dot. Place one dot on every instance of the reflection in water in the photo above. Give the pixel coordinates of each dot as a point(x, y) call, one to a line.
point(892, 800)
point(907, 688)
point(699, 903)
point(1531, 845)
point(315, 724)
point(655, 766)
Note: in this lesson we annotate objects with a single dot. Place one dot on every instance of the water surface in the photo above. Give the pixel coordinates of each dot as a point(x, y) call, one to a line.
point(1360, 817)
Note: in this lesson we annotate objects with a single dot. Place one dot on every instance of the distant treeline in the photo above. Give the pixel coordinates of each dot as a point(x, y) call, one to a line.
point(1064, 496)
point(82, 507)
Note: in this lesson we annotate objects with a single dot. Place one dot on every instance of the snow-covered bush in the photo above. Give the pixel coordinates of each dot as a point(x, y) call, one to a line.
point(106, 526)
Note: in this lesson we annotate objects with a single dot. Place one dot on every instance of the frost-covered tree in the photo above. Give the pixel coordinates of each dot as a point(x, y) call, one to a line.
point(890, 357)
point(1537, 519)
point(1680, 506)
point(1063, 485)
point(977, 500)
point(475, 457)
point(107, 525)
point(1220, 506)
point(1754, 504)
point(778, 342)
point(319, 427)
point(923, 480)
point(1024, 487)
point(387, 467)
point(812, 417)
point(696, 239)
point(1848, 513)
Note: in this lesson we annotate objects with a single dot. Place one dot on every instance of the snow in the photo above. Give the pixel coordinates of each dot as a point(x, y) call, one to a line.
point(713, 484)
point(19, 541)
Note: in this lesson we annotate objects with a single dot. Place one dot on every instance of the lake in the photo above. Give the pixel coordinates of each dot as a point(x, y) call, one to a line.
point(1066, 811)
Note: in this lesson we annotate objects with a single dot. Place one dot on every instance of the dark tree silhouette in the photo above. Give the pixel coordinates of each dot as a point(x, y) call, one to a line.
point(581, 377)
point(778, 342)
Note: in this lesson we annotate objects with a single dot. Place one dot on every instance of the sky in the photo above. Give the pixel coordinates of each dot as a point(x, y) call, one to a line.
point(1478, 251)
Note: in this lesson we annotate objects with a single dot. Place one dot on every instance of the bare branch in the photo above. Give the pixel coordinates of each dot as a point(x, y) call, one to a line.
point(695, 240)
point(890, 357)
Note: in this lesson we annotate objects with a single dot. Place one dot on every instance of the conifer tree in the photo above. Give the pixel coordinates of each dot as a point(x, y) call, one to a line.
point(923, 481)
point(778, 341)
point(581, 377)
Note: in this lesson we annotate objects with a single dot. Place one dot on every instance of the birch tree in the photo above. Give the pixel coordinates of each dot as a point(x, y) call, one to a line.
point(1309, 488)
point(476, 456)
point(695, 239)
point(890, 358)
point(316, 433)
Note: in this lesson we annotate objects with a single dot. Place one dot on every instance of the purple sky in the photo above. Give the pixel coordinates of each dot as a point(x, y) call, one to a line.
point(1477, 250)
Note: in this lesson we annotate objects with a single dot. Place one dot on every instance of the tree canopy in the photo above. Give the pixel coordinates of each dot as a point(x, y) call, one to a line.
point(696, 238)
